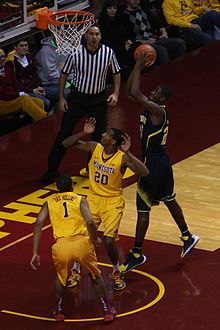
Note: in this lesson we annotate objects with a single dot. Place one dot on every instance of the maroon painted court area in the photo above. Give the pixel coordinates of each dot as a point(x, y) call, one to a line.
point(168, 293)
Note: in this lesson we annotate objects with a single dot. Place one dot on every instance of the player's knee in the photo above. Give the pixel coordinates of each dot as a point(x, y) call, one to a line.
point(108, 241)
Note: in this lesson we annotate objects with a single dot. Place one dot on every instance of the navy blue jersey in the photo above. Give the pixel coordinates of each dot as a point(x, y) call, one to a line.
point(153, 138)
point(158, 185)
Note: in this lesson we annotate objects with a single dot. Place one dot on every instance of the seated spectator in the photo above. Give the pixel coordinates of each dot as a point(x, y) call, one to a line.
point(195, 24)
point(137, 22)
point(49, 65)
point(115, 35)
point(26, 73)
point(12, 98)
point(211, 4)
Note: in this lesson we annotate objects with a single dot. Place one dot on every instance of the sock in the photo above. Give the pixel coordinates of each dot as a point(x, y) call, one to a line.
point(116, 267)
point(137, 248)
point(104, 304)
point(76, 266)
point(185, 232)
point(59, 303)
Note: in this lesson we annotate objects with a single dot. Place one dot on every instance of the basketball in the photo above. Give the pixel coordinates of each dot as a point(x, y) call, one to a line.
point(151, 54)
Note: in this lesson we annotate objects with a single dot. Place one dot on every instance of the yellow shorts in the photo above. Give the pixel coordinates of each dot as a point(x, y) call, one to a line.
point(67, 250)
point(108, 211)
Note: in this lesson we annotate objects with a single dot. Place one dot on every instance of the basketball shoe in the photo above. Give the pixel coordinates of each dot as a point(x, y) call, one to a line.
point(58, 311)
point(118, 280)
point(133, 260)
point(74, 279)
point(109, 314)
point(188, 243)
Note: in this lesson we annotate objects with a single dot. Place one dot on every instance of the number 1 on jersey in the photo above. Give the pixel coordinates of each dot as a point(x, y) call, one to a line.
point(66, 215)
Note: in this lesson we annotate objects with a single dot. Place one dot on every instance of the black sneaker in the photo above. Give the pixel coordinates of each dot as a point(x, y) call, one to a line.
point(188, 243)
point(133, 260)
point(49, 177)
point(118, 280)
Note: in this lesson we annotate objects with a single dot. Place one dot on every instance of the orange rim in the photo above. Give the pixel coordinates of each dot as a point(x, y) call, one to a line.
point(57, 14)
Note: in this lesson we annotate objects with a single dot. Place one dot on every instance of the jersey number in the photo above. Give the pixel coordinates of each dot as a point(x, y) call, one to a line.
point(66, 215)
point(165, 133)
point(101, 178)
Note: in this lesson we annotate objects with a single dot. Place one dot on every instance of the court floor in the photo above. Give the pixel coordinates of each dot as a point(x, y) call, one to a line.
point(165, 293)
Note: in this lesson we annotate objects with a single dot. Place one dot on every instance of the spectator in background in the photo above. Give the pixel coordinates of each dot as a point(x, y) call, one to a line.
point(12, 98)
point(137, 22)
point(49, 65)
point(115, 35)
point(195, 24)
point(25, 71)
point(211, 4)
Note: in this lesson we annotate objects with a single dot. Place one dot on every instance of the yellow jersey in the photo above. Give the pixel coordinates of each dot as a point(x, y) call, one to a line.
point(65, 215)
point(105, 177)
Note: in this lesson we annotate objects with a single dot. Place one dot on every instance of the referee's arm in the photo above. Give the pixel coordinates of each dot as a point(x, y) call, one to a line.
point(113, 98)
point(62, 101)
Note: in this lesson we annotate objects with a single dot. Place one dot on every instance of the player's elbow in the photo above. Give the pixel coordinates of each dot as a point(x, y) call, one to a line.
point(66, 143)
point(135, 94)
point(145, 171)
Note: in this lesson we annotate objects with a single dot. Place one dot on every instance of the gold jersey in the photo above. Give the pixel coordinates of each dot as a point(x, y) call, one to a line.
point(65, 215)
point(105, 177)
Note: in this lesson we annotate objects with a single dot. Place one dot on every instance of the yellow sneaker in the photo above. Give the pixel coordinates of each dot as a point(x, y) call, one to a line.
point(118, 280)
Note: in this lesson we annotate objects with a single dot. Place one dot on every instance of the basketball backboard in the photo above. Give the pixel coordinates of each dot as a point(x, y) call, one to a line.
point(18, 17)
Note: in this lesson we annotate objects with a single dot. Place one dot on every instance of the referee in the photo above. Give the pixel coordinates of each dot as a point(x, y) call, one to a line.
point(88, 96)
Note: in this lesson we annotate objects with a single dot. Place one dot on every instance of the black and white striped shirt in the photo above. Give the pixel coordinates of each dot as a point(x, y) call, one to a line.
point(90, 69)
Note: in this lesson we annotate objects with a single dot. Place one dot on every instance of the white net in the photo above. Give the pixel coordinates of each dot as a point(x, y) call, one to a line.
point(68, 28)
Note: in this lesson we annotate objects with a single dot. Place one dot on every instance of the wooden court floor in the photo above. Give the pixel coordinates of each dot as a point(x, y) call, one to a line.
point(166, 293)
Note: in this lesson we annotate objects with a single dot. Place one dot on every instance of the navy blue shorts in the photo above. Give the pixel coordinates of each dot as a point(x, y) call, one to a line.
point(158, 185)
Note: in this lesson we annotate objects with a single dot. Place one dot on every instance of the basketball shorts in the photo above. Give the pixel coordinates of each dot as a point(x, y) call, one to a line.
point(158, 185)
point(108, 211)
point(67, 250)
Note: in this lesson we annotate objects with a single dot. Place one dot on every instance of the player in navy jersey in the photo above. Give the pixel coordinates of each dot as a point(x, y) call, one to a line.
point(158, 185)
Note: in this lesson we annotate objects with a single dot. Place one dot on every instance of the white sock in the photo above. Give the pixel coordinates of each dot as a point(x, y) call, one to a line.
point(116, 267)
point(76, 266)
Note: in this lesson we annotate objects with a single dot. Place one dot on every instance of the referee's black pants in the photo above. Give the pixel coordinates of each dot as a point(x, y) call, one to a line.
point(80, 105)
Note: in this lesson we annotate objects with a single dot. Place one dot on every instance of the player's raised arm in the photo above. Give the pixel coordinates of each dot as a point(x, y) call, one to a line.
point(75, 139)
point(129, 160)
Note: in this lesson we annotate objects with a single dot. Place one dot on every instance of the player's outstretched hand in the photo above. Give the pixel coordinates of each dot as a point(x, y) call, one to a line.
point(126, 144)
point(89, 126)
point(35, 261)
point(141, 61)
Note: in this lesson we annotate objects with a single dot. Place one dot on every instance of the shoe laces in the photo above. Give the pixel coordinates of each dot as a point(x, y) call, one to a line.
point(116, 277)
point(75, 275)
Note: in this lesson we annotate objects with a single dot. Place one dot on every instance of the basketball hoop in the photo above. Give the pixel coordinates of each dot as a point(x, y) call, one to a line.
point(68, 28)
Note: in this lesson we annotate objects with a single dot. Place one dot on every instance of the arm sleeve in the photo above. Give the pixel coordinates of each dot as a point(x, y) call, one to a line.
point(114, 64)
